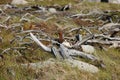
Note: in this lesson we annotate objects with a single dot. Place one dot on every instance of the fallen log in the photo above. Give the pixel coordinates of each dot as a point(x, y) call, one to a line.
point(64, 51)
point(82, 54)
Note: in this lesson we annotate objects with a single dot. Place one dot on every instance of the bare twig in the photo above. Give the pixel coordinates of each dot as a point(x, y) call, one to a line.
point(12, 48)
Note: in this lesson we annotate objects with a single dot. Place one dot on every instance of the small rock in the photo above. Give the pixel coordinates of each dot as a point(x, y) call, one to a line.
point(67, 44)
point(18, 2)
point(52, 10)
point(88, 48)
point(82, 65)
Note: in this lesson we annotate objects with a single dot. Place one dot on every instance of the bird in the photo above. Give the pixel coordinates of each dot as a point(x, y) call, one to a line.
point(61, 36)
point(62, 41)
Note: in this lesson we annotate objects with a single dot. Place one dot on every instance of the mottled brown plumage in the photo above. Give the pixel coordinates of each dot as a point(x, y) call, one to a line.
point(61, 37)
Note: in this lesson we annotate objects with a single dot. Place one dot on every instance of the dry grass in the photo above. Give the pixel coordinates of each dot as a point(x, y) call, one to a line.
point(10, 68)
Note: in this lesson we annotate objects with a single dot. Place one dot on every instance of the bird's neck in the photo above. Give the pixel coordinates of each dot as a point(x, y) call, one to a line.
point(61, 37)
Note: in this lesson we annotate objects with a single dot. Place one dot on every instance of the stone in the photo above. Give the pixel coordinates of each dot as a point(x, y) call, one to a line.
point(52, 10)
point(70, 62)
point(19, 2)
point(88, 49)
point(67, 44)
point(82, 65)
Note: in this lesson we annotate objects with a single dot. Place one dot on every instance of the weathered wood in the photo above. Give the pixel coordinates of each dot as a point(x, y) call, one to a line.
point(74, 52)
point(79, 28)
point(7, 19)
point(26, 17)
point(107, 37)
point(3, 26)
point(78, 37)
point(40, 44)
point(102, 42)
point(79, 15)
point(65, 52)
point(115, 45)
point(81, 42)
point(56, 53)
point(68, 53)
point(13, 48)
point(91, 13)
point(28, 31)
point(110, 26)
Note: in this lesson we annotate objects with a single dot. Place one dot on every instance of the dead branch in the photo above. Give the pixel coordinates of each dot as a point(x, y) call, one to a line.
point(40, 44)
point(56, 53)
point(74, 52)
point(28, 31)
point(103, 42)
point(65, 52)
point(12, 48)
point(107, 37)
point(81, 42)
